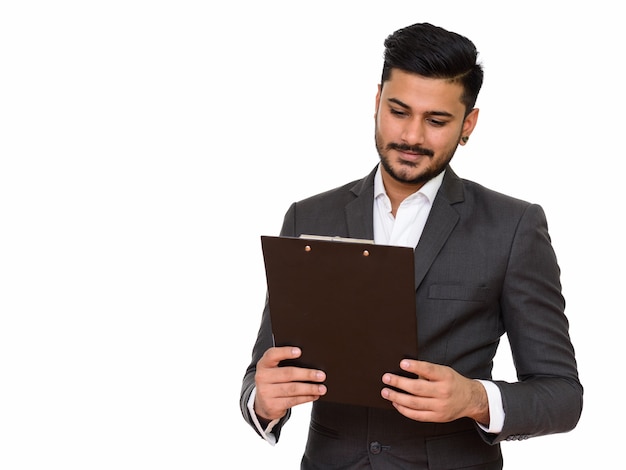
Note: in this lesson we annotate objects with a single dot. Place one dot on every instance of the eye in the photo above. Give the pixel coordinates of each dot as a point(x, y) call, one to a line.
point(397, 112)
point(437, 122)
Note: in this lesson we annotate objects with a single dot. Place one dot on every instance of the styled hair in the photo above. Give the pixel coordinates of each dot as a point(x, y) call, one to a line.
point(433, 52)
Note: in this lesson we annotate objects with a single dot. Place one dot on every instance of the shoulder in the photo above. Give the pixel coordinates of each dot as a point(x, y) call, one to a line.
point(339, 196)
point(477, 192)
point(327, 213)
point(332, 197)
point(479, 203)
point(457, 190)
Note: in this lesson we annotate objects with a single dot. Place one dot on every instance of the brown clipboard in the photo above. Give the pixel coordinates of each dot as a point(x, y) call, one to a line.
point(350, 307)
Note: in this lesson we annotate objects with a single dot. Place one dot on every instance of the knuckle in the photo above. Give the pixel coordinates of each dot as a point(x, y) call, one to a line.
point(291, 389)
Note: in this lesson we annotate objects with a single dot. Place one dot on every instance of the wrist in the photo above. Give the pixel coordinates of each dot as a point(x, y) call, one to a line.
point(264, 422)
point(479, 404)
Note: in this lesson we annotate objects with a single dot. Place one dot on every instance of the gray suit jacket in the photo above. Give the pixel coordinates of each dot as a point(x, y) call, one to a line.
point(484, 266)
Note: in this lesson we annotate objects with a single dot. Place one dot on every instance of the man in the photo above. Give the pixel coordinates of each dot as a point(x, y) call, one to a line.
point(484, 266)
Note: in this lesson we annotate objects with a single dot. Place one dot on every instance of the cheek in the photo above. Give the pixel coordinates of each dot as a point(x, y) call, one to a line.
point(387, 129)
point(443, 140)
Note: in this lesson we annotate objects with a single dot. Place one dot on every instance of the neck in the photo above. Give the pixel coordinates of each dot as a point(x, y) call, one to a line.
point(398, 191)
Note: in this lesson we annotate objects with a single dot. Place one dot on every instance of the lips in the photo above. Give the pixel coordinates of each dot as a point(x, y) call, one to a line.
point(411, 156)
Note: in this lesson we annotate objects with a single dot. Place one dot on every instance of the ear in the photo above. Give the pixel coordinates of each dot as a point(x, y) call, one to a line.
point(468, 125)
point(377, 101)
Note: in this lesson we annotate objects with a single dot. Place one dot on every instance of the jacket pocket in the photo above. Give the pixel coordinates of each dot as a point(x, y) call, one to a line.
point(463, 450)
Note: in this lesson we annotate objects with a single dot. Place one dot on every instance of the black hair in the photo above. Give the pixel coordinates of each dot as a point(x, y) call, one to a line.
point(433, 52)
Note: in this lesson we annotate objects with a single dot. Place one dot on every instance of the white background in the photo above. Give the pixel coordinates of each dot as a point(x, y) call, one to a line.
point(146, 146)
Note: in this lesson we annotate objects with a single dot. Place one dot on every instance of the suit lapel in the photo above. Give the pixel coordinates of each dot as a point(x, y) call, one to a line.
point(360, 211)
point(440, 223)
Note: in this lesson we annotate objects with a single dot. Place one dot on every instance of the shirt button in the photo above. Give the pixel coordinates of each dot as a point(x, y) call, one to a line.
point(375, 447)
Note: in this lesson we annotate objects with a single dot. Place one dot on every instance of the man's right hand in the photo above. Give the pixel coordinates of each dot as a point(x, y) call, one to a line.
point(281, 388)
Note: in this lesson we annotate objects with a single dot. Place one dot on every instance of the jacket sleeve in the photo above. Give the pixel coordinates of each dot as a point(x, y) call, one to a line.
point(548, 396)
point(264, 341)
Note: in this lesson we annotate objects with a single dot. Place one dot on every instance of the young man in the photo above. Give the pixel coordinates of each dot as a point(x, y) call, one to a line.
point(484, 266)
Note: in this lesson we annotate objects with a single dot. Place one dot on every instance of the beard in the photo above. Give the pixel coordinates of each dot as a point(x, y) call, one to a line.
point(403, 172)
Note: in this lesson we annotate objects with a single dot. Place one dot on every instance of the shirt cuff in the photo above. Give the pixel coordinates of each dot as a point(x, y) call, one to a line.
point(496, 410)
point(265, 433)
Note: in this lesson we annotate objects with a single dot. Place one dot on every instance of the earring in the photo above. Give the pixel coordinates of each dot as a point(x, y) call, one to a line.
point(464, 139)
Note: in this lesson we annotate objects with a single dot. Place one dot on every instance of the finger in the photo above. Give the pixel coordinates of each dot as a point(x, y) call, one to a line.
point(414, 385)
point(285, 375)
point(409, 405)
point(395, 396)
point(273, 356)
point(423, 369)
point(272, 401)
point(269, 370)
point(305, 393)
point(399, 382)
point(300, 374)
point(308, 391)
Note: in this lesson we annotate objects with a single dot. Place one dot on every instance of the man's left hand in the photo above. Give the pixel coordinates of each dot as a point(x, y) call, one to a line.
point(438, 395)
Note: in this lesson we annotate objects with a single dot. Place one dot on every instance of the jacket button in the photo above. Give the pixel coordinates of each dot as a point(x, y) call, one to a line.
point(375, 447)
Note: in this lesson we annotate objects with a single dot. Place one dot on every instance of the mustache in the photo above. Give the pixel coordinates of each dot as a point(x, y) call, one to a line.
point(410, 148)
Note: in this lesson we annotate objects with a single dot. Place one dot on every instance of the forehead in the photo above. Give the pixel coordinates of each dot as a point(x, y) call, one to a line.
point(423, 93)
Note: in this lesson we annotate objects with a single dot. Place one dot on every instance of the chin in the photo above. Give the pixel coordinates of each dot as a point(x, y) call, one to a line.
point(407, 177)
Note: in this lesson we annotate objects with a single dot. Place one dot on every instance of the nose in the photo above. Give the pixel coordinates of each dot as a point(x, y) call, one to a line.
point(413, 132)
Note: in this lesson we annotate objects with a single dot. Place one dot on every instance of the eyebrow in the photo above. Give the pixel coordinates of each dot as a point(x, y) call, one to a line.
point(430, 113)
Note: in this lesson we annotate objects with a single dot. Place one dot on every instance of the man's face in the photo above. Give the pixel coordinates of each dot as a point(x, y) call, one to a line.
point(419, 123)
